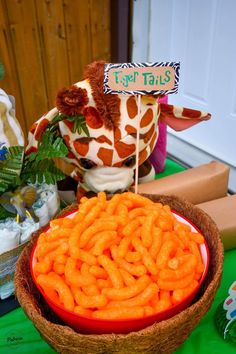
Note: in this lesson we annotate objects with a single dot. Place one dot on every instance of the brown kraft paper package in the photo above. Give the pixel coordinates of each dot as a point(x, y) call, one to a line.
point(223, 212)
point(197, 185)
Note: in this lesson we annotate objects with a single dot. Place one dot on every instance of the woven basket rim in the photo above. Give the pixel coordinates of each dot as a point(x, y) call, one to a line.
point(193, 313)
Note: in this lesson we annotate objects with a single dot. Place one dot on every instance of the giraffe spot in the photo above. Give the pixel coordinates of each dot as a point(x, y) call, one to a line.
point(191, 113)
point(152, 142)
point(166, 108)
point(81, 147)
point(149, 134)
point(118, 164)
point(147, 118)
point(124, 150)
point(69, 124)
point(30, 150)
point(131, 130)
point(66, 138)
point(132, 107)
point(92, 117)
point(103, 139)
point(142, 156)
point(33, 128)
point(70, 155)
point(117, 134)
point(40, 128)
point(105, 155)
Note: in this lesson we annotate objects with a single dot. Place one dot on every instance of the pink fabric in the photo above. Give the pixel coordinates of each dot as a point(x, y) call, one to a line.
point(158, 156)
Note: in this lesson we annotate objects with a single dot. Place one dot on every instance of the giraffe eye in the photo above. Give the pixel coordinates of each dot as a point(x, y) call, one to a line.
point(87, 164)
point(130, 161)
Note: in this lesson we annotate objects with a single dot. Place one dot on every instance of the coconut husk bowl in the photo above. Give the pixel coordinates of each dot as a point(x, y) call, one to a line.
point(161, 337)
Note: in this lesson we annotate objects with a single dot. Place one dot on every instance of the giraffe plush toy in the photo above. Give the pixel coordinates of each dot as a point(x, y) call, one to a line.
point(102, 155)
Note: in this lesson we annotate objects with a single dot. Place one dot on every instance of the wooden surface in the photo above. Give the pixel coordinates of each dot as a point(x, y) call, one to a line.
point(45, 45)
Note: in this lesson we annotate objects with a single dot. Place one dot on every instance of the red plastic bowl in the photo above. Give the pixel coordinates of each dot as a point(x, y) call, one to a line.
point(90, 325)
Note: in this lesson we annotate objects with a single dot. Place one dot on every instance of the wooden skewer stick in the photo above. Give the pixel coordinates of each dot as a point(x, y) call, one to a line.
point(137, 147)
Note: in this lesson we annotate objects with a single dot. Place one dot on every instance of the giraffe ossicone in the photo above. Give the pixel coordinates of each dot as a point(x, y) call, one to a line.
point(102, 156)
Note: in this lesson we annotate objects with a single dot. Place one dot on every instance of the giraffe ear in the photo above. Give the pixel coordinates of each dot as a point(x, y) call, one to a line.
point(179, 118)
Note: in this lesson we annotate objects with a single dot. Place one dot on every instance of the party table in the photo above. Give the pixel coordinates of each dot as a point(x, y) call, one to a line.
point(18, 334)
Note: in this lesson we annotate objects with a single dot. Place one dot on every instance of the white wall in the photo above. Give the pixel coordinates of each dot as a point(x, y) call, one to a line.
point(202, 36)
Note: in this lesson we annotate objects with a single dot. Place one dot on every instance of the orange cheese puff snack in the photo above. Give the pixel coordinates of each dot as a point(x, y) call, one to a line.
point(127, 203)
point(196, 237)
point(182, 232)
point(56, 234)
point(98, 272)
point(93, 214)
point(119, 313)
point(127, 277)
point(122, 210)
point(87, 205)
point(68, 223)
point(134, 213)
point(123, 247)
point(179, 295)
point(74, 239)
point(112, 270)
point(156, 242)
point(61, 258)
point(133, 256)
point(193, 247)
point(187, 267)
point(103, 283)
point(97, 226)
point(45, 247)
point(90, 290)
point(52, 294)
point(83, 200)
point(104, 241)
point(141, 299)
point(86, 257)
point(165, 222)
point(56, 223)
point(60, 250)
point(74, 277)
point(58, 268)
point(128, 291)
point(146, 257)
point(79, 310)
point(164, 302)
point(56, 283)
point(167, 250)
point(147, 229)
point(136, 199)
point(111, 206)
point(43, 266)
point(173, 263)
point(134, 269)
point(130, 227)
point(102, 198)
point(86, 301)
point(175, 284)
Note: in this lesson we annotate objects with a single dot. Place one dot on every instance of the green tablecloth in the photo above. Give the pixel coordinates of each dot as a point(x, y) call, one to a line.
point(18, 335)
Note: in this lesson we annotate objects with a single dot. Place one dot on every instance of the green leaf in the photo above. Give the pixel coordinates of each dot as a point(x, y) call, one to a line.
point(42, 171)
point(49, 147)
point(10, 168)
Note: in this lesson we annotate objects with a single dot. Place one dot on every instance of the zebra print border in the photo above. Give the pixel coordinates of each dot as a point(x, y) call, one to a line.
point(108, 90)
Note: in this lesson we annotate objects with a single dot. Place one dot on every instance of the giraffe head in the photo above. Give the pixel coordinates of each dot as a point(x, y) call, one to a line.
point(103, 160)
